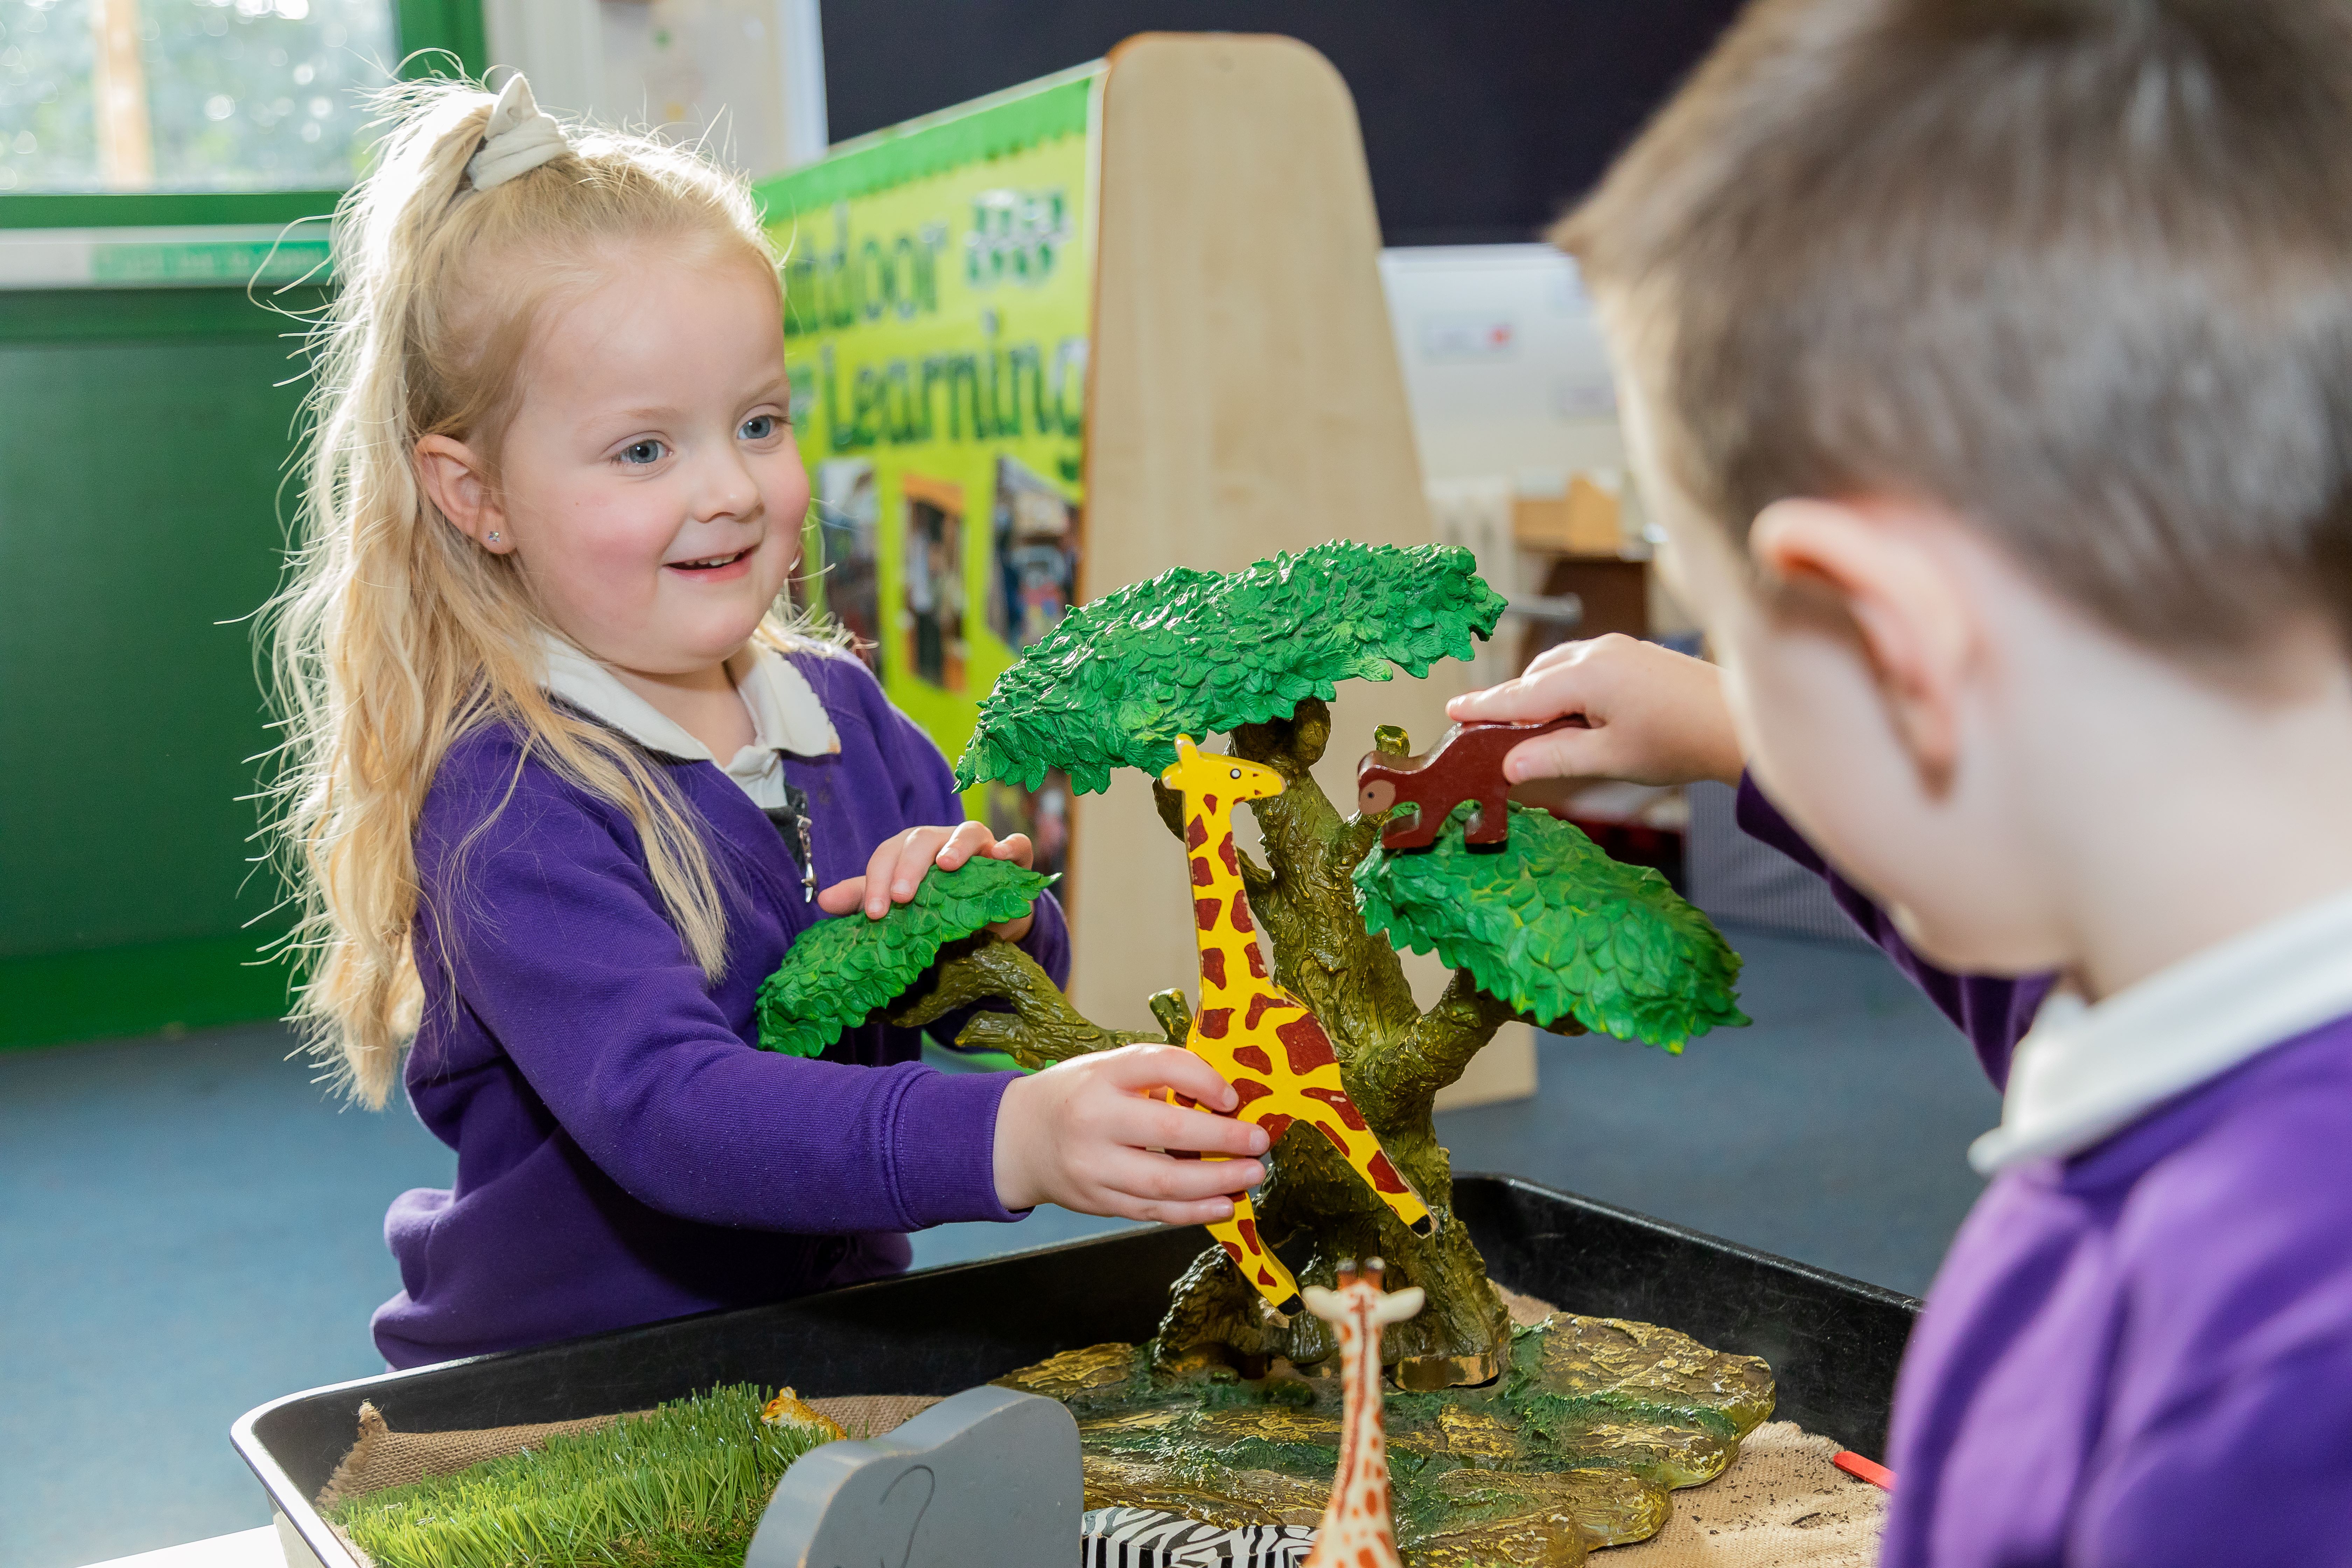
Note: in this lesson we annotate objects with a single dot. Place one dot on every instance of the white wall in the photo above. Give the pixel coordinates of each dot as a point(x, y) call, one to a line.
point(746, 74)
point(1508, 380)
point(1503, 360)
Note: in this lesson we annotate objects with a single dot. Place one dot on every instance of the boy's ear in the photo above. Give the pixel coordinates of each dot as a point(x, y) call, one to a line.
point(456, 480)
point(1881, 570)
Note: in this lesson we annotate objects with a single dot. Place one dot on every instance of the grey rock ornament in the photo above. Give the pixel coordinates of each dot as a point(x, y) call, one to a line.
point(989, 1479)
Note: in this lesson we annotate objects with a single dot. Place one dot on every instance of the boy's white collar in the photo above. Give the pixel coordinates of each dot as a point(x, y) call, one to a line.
point(786, 713)
point(2085, 1072)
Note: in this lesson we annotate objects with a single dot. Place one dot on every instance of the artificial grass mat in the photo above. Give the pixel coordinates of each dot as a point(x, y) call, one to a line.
point(681, 1485)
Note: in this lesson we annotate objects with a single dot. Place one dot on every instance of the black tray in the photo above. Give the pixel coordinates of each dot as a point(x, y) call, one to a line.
point(1832, 1342)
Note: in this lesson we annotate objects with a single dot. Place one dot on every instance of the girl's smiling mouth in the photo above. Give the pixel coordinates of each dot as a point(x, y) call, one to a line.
point(730, 565)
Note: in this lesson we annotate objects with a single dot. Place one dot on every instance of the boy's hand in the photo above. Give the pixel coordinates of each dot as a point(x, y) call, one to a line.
point(899, 862)
point(1657, 717)
point(1081, 1134)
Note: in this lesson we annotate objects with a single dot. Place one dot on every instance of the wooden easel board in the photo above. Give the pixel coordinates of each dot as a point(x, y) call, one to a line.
point(1245, 398)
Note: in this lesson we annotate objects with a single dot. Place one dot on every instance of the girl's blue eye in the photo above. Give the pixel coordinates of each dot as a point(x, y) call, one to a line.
point(640, 452)
point(759, 427)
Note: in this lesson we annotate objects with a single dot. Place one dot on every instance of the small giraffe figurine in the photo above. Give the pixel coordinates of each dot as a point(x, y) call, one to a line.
point(1358, 1530)
point(1260, 1038)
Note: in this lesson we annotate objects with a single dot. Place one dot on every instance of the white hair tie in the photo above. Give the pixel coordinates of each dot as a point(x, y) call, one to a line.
point(517, 138)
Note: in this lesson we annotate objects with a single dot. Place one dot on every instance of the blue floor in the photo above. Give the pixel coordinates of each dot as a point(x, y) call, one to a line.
point(1834, 1129)
point(190, 1228)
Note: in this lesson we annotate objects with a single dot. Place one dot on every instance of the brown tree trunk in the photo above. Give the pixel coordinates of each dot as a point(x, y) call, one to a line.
point(1392, 1058)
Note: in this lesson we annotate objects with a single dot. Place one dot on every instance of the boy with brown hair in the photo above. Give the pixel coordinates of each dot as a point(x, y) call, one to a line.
point(1988, 364)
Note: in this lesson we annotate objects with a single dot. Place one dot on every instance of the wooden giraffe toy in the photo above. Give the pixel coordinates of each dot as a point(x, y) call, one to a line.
point(1357, 1530)
point(1260, 1038)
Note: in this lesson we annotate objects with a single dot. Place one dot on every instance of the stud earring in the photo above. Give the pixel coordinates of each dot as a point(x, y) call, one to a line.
point(494, 536)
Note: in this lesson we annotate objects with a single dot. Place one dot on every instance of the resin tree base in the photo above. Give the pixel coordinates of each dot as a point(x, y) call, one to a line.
point(1576, 1445)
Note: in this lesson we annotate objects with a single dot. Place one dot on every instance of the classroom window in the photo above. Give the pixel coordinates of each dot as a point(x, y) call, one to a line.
point(188, 95)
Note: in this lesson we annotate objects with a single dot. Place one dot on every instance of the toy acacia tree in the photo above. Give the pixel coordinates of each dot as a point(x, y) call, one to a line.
point(1546, 927)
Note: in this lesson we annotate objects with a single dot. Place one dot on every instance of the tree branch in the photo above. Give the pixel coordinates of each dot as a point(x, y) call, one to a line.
point(1256, 880)
point(1043, 1027)
point(1307, 902)
point(1436, 1049)
point(1174, 1012)
point(1171, 806)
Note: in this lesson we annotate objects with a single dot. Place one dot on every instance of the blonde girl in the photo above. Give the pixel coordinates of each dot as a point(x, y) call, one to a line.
point(562, 788)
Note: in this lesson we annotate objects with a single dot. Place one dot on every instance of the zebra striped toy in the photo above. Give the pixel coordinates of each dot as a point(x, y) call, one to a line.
point(1146, 1538)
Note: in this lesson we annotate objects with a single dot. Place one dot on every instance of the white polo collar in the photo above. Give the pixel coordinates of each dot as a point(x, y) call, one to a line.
point(787, 715)
point(2084, 1072)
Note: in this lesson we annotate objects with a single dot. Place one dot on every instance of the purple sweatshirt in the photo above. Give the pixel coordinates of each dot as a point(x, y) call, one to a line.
point(2141, 1354)
point(625, 1151)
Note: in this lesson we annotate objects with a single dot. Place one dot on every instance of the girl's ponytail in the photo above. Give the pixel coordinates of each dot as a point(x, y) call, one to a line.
point(396, 634)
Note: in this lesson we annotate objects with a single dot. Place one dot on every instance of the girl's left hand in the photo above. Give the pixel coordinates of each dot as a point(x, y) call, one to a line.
point(900, 861)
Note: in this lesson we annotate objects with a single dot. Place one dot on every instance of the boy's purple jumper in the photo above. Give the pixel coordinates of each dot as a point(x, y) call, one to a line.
point(2139, 1354)
point(625, 1151)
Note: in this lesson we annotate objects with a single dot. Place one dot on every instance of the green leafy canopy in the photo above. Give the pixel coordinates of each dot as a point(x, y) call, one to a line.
point(843, 970)
point(1553, 926)
point(1199, 653)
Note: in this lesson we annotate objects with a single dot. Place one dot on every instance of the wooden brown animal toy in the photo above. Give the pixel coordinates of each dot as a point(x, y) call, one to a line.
point(1466, 765)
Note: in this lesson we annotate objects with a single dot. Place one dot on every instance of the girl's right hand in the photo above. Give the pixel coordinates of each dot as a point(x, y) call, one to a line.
point(1656, 717)
point(1081, 1134)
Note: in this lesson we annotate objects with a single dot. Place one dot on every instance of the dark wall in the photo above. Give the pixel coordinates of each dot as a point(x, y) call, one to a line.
point(1483, 118)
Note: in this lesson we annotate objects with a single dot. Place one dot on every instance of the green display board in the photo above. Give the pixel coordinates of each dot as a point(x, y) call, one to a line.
point(939, 283)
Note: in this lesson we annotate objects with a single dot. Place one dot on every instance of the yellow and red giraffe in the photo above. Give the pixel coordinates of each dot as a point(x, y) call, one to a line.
point(1358, 1528)
point(1260, 1038)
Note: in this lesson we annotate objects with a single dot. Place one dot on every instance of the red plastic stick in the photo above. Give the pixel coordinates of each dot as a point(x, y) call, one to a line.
point(1862, 1469)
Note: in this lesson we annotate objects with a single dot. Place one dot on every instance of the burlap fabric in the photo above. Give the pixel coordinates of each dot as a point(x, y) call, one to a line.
point(871, 1415)
point(382, 1457)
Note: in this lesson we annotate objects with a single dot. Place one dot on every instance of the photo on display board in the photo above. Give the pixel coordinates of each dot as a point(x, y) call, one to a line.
point(1044, 814)
point(1032, 581)
point(849, 528)
point(941, 291)
point(931, 568)
point(1036, 567)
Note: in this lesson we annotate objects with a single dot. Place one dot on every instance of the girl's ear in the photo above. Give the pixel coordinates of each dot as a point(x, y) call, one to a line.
point(457, 481)
point(1878, 565)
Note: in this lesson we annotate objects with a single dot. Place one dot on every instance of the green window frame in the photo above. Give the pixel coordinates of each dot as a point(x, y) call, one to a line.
point(450, 27)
